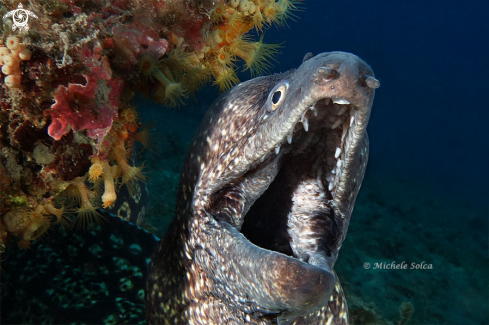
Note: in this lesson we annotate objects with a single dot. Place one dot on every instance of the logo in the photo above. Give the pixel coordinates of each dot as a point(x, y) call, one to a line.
point(20, 17)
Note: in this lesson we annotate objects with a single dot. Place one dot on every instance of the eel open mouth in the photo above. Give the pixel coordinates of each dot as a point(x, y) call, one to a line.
point(296, 214)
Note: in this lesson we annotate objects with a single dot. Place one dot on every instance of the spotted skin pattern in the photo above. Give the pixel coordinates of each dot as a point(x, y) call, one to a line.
point(266, 194)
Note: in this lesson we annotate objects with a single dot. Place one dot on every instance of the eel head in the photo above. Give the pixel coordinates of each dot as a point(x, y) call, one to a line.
point(273, 175)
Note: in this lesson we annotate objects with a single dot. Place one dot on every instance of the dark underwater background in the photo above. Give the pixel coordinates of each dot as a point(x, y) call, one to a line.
point(425, 196)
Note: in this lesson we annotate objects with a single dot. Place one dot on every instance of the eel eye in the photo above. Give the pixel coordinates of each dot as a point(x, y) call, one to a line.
point(276, 96)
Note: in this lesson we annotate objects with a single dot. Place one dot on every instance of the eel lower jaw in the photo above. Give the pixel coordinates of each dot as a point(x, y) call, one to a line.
point(279, 284)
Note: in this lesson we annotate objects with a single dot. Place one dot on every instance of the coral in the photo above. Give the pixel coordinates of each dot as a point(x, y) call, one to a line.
point(10, 58)
point(130, 174)
point(38, 225)
point(129, 117)
point(186, 66)
point(27, 225)
point(102, 168)
point(62, 214)
point(169, 91)
point(109, 196)
point(12, 81)
point(95, 171)
point(66, 111)
point(12, 42)
point(87, 213)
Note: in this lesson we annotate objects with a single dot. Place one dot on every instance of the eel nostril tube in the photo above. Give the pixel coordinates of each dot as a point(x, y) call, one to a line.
point(371, 82)
point(327, 73)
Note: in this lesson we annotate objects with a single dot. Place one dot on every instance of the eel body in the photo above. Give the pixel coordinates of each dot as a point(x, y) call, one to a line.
point(266, 194)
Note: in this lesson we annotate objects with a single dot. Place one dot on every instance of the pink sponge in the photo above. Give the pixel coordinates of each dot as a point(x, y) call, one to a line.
point(92, 107)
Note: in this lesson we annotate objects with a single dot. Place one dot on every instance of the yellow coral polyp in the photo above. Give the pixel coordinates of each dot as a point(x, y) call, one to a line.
point(25, 55)
point(16, 220)
point(109, 196)
point(9, 69)
point(103, 169)
point(225, 77)
point(12, 81)
point(4, 51)
point(12, 42)
point(39, 224)
point(218, 12)
point(224, 58)
point(10, 58)
point(87, 212)
point(214, 38)
point(244, 6)
point(27, 225)
point(130, 174)
point(129, 116)
point(279, 12)
point(61, 214)
point(174, 92)
point(256, 55)
point(147, 66)
point(95, 171)
point(234, 3)
point(258, 21)
point(195, 77)
point(142, 137)
point(170, 92)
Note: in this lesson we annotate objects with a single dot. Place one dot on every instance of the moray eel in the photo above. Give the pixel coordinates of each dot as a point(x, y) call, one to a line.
point(265, 199)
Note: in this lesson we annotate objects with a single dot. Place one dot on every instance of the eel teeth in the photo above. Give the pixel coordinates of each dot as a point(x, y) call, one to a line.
point(314, 110)
point(345, 130)
point(336, 124)
point(342, 110)
point(352, 119)
point(337, 153)
point(305, 123)
point(289, 137)
point(340, 101)
point(327, 101)
point(277, 150)
point(338, 164)
point(330, 186)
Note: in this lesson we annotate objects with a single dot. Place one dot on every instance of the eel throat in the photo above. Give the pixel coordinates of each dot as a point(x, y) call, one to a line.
point(265, 199)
